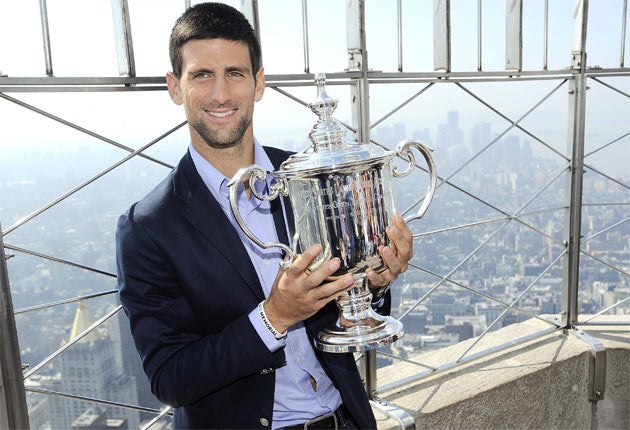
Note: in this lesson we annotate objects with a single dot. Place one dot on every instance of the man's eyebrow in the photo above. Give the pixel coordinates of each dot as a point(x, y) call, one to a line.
point(200, 70)
point(244, 70)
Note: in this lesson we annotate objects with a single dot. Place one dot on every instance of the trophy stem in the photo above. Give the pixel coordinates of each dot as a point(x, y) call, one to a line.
point(358, 327)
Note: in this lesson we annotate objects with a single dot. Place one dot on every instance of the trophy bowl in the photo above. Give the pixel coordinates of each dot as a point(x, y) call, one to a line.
point(341, 196)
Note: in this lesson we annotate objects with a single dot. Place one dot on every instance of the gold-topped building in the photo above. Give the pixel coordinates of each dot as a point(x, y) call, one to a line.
point(89, 368)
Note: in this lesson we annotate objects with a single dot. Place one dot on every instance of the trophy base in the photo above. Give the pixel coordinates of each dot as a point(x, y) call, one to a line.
point(371, 332)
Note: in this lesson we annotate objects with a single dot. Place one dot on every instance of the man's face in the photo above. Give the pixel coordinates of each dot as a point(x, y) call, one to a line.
point(218, 90)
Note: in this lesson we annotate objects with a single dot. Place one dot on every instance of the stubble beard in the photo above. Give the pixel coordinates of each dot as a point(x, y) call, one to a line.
point(220, 139)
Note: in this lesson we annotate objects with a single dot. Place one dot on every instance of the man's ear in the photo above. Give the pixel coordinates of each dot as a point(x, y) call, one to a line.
point(260, 84)
point(172, 84)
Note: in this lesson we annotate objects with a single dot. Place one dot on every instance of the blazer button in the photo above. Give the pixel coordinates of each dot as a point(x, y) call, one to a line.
point(264, 422)
point(266, 371)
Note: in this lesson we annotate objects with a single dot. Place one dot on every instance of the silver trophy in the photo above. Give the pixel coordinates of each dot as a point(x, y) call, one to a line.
point(341, 195)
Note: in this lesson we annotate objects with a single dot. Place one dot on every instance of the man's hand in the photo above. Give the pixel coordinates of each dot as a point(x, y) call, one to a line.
point(297, 294)
point(396, 255)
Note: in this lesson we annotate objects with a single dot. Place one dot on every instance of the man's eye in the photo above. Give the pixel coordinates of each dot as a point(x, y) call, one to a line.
point(236, 74)
point(202, 75)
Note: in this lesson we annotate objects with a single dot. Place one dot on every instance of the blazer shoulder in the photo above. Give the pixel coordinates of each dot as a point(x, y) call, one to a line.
point(177, 186)
point(277, 155)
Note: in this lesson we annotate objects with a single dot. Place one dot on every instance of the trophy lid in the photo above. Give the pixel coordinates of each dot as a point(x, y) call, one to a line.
point(330, 150)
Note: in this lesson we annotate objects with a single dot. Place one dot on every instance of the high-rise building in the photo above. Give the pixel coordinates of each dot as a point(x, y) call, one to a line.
point(88, 368)
point(132, 365)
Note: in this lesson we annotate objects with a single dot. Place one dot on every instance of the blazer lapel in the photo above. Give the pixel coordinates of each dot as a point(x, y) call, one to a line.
point(204, 213)
point(277, 156)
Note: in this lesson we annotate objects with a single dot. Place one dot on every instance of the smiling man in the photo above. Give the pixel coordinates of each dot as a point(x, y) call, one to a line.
point(225, 337)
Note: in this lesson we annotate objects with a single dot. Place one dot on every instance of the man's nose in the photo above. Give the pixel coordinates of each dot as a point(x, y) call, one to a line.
point(220, 90)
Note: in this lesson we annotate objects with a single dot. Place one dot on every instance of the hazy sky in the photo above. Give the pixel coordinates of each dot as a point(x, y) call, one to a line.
point(82, 44)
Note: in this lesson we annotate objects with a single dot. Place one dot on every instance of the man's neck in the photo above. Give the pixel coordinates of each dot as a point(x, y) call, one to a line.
point(228, 160)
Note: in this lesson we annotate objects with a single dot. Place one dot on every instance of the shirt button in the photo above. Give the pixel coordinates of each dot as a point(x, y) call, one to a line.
point(265, 261)
point(264, 422)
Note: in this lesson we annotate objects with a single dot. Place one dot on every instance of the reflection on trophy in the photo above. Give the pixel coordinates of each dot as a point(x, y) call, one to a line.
point(341, 195)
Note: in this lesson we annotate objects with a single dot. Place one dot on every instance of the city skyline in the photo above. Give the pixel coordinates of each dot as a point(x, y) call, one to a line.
point(492, 245)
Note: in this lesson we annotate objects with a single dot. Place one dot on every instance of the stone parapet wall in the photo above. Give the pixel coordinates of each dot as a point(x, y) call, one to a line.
point(541, 383)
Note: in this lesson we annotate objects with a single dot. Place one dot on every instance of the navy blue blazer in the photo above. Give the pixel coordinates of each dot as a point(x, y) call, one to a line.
point(187, 285)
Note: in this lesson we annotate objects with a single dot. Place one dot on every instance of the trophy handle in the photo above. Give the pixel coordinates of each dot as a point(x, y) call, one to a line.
point(257, 173)
point(404, 150)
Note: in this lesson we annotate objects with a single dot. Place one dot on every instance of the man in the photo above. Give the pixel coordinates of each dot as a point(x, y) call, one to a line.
point(225, 337)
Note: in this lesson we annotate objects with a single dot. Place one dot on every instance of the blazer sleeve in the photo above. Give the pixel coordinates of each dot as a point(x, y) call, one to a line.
point(183, 360)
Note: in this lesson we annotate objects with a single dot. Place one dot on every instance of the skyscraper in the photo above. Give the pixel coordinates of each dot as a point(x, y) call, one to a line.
point(88, 368)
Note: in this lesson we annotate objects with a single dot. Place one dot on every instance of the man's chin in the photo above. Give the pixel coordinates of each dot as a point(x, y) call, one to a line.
point(222, 144)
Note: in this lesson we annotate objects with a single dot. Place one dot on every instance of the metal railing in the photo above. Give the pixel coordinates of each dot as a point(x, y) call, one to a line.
point(361, 80)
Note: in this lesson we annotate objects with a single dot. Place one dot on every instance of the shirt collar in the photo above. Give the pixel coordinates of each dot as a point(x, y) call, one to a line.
point(216, 181)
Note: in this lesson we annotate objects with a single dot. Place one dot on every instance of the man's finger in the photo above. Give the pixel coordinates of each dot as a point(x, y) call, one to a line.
point(304, 260)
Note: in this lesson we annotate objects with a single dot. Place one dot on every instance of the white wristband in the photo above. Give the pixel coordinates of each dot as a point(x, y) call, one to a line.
point(263, 317)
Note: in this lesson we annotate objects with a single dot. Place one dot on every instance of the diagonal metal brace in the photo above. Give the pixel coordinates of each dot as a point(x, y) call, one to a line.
point(597, 368)
point(406, 421)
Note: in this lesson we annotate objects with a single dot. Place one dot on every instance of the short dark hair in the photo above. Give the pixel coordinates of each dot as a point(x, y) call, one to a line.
point(212, 21)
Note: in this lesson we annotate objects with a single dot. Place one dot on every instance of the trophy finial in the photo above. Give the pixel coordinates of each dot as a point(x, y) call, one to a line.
point(327, 132)
point(320, 79)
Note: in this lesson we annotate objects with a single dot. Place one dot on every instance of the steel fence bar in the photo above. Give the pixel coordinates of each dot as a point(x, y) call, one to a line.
point(610, 266)
point(511, 306)
point(406, 360)
point(624, 18)
point(605, 175)
point(455, 269)
point(442, 35)
point(43, 15)
point(64, 302)
point(545, 35)
point(399, 34)
point(516, 217)
point(540, 211)
point(474, 251)
point(607, 145)
point(460, 226)
point(607, 204)
point(574, 184)
point(453, 364)
point(479, 38)
point(305, 44)
point(612, 87)
point(77, 89)
point(610, 227)
point(87, 182)
point(249, 8)
point(151, 83)
point(400, 106)
point(463, 191)
point(304, 103)
point(124, 41)
point(91, 400)
point(479, 293)
point(79, 128)
point(164, 412)
point(497, 138)
point(516, 123)
point(58, 260)
point(80, 336)
point(13, 406)
point(514, 35)
point(619, 303)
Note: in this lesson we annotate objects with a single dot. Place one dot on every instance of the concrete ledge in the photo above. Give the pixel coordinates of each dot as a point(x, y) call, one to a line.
point(542, 383)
